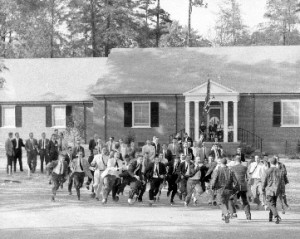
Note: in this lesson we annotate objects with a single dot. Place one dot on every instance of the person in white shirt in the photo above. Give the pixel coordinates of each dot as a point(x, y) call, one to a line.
point(100, 164)
point(257, 172)
point(115, 166)
point(123, 148)
point(150, 149)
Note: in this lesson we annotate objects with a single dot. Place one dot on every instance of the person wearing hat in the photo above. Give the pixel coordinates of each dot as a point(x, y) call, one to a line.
point(224, 182)
point(240, 172)
point(271, 186)
point(58, 170)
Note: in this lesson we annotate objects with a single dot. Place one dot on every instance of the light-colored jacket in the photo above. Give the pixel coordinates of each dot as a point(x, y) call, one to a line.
point(85, 165)
point(9, 147)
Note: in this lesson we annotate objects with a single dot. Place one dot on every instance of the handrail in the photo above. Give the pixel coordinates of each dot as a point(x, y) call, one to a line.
point(250, 138)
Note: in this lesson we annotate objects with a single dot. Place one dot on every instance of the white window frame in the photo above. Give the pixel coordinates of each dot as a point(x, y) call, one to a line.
point(3, 116)
point(53, 117)
point(289, 125)
point(133, 113)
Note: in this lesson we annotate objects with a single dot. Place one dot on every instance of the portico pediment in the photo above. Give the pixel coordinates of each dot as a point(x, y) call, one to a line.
point(218, 92)
point(215, 88)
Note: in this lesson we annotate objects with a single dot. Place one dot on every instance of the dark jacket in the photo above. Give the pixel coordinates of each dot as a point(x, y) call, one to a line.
point(135, 170)
point(52, 148)
point(224, 178)
point(167, 154)
point(76, 150)
point(271, 184)
point(31, 147)
point(40, 144)
point(92, 145)
point(50, 167)
point(183, 169)
point(240, 172)
point(150, 170)
point(157, 149)
point(20, 144)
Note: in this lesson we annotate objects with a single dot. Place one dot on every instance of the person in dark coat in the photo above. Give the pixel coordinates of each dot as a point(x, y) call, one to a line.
point(172, 177)
point(17, 146)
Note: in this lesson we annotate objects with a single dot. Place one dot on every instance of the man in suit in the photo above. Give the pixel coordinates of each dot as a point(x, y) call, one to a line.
point(18, 144)
point(43, 144)
point(80, 168)
point(68, 159)
point(110, 144)
point(156, 145)
point(175, 148)
point(52, 148)
point(59, 171)
point(203, 152)
point(212, 164)
point(187, 151)
point(187, 138)
point(224, 182)
point(132, 150)
point(271, 187)
point(9, 149)
point(93, 143)
point(31, 147)
point(155, 173)
point(185, 171)
point(167, 154)
point(172, 177)
point(78, 148)
point(240, 173)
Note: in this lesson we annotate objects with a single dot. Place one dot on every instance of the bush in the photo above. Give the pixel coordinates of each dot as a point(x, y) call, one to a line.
point(130, 137)
point(247, 149)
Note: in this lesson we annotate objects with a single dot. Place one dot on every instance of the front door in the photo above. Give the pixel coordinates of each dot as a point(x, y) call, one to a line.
point(214, 116)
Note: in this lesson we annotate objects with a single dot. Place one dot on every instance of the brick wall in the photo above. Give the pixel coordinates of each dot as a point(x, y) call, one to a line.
point(34, 120)
point(115, 118)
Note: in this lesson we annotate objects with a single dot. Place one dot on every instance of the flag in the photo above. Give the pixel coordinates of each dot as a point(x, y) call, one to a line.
point(207, 98)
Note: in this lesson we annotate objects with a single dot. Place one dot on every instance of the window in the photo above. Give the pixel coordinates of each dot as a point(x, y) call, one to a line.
point(290, 113)
point(8, 116)
point(141, 114)
point(59, 116)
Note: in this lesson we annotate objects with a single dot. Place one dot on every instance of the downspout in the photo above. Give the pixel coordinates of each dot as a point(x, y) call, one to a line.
point(105, 118)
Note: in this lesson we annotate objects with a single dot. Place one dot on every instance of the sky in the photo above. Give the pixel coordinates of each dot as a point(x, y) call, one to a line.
point(203, 19)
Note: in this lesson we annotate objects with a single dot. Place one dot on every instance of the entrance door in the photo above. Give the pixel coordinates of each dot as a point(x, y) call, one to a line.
point(214, 116)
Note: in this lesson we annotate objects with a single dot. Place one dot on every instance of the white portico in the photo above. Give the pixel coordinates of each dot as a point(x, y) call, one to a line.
point(221, 97)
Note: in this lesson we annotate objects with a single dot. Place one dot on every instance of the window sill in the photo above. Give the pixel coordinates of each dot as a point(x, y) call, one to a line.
point(141, 127)
point(58, 127)
point(290, 126)
point(8, 127)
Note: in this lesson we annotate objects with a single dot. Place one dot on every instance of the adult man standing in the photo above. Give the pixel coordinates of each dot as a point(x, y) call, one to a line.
point(174, 148)
point(187, 138)
point(18, 144)
point(156, 145)
point(271, 187)
point(31, 147)
point(256, 172)
point(240, 172)
point(150, 149)
point(242, 155)
point(93, 143)
point(9, 153)
point(167, 154)
point(52, 148)
point(69, 159)
point(155, 174)
point(223, 182)
point(186, 150)
point(111, 144)
point(43, 144)
point(172, 177)
point(78, 148)
point(212, 164)
point(58, 170)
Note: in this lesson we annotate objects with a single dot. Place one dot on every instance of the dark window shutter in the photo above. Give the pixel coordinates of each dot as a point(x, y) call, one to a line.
point(0, 116)
point(48, 116)
point(127, 114)
point(276, 114)
point(69, 116)
point(18, 114)
point(154, 114)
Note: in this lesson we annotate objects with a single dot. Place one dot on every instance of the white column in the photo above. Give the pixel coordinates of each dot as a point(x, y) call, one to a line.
point(197, 124)
point(235, 121)
point(187, 117)
point(225, 106)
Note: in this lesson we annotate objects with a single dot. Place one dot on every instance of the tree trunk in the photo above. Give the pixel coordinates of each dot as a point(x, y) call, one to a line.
point(52, 30)
point(157, 24)
point(188, 42)
point(93, 27)
point(106, 50)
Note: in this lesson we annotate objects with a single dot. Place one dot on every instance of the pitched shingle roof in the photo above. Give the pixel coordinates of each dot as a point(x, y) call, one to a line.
point(261, 69)
point(46, 79)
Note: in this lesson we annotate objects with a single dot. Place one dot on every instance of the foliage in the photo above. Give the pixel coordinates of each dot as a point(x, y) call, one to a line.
point(75, 128)
point(130, 137)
